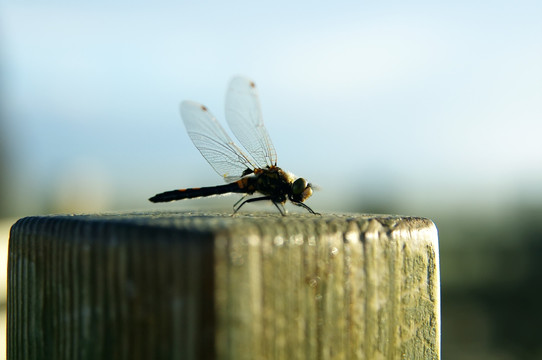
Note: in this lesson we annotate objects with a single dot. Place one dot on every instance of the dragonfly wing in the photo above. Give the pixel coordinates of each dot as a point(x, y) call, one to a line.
point(244, 116)
point(213, 142)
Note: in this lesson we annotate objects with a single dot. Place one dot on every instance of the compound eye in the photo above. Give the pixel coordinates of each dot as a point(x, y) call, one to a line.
point(299, 186)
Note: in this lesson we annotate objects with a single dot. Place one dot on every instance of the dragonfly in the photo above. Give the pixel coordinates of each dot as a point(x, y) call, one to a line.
point(250, 172)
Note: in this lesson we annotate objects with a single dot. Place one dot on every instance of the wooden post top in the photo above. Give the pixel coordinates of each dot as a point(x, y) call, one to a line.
point(212, 222)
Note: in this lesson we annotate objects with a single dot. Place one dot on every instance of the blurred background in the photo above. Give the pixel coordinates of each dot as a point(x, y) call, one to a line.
point(414, 108)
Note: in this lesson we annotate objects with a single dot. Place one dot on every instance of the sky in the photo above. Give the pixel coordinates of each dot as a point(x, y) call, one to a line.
point(421, 104)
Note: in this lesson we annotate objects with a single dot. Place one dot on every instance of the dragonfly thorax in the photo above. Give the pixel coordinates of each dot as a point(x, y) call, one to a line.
point(272, 181)
point(280, 185)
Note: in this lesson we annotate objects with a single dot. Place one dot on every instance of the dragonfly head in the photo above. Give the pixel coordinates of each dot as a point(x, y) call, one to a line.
point(301, 190)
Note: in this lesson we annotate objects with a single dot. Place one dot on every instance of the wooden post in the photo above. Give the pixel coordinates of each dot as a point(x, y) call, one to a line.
point(212, 286)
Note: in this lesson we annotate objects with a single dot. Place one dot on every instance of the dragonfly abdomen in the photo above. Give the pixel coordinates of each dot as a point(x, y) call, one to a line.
point(197, 192)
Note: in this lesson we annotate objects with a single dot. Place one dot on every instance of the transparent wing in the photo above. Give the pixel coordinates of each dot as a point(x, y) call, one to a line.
point(244, 116)
point(213, 142)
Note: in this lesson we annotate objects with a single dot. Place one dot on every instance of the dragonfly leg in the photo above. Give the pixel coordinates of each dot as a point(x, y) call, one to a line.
point(280, 207)
point(306, 207)
point(241, 199)
point(236, 209)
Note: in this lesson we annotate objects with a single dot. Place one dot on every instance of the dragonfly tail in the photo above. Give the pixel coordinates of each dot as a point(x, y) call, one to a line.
point(196, 192)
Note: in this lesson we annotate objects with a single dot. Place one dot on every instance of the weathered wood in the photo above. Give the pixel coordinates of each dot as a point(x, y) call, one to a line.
point(201, 286)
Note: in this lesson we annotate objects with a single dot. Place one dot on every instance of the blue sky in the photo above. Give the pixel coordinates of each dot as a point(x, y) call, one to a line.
point(425, 103)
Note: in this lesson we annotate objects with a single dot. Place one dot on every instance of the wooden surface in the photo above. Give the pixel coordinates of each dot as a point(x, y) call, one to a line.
point(5, 225)
point(202, 286)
